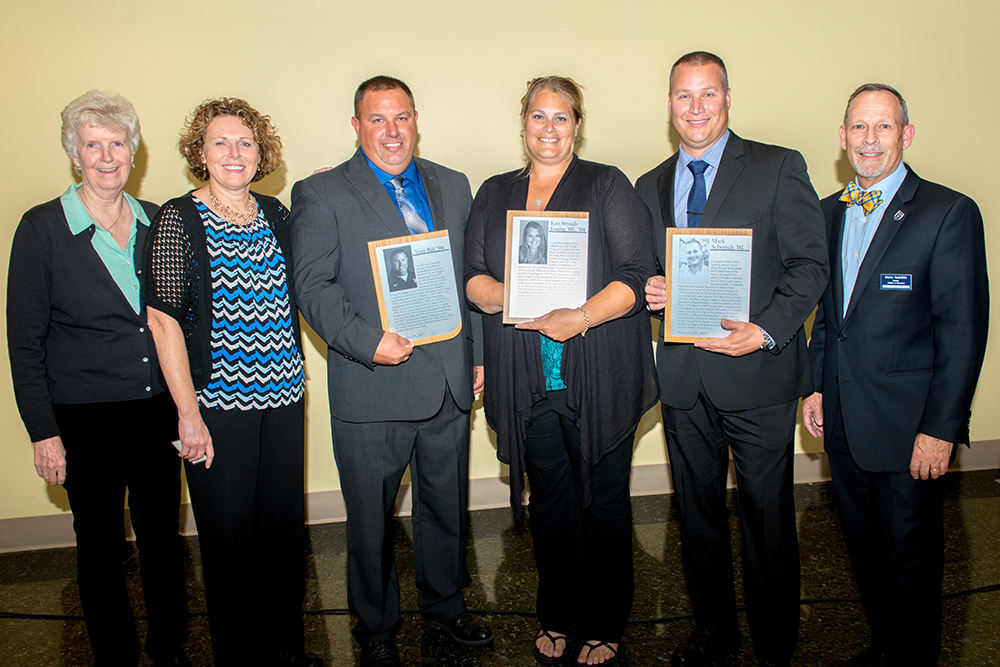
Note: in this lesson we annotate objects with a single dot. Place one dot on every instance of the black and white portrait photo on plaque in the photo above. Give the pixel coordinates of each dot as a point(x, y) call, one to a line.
point(399, 261)
point(692, 263)
point(534, 242)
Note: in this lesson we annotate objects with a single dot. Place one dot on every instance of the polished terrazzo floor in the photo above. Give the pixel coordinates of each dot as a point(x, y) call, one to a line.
point(40, 624)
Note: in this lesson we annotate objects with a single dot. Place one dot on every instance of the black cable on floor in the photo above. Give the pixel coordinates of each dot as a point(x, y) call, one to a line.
point(991, 588)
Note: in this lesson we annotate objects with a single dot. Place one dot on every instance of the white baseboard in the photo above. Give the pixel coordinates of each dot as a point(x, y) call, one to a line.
point(56, 530)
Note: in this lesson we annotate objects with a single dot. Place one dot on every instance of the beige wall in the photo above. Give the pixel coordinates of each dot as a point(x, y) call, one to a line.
point(791, 64)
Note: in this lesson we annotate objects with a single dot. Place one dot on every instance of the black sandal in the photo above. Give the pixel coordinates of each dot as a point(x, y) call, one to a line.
point(543, 659)
point(591, 645)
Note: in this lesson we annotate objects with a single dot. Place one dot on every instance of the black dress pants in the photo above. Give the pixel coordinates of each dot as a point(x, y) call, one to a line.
point(111, 448)
point(583, 554)
point(699, 441)
point(250, 511)
point(893, 528)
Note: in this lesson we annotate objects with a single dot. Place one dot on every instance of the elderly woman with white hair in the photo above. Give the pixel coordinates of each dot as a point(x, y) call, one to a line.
point(86, 382)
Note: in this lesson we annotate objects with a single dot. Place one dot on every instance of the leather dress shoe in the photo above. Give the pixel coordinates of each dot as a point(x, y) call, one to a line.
point(299, 660)
point(868, 658)
point(380, 653)
point(706, 648)
point(179, 660)
point(463, 629)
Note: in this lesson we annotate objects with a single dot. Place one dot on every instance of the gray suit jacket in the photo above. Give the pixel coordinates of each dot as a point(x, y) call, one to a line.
point(767, 189)
point(334, 216)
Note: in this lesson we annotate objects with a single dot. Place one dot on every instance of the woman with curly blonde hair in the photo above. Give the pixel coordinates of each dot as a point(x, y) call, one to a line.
point(222, 313)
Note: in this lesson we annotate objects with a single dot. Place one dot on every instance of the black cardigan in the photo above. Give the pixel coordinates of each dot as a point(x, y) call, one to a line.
point(178, 281)
point(71, 333)
point(609, 375)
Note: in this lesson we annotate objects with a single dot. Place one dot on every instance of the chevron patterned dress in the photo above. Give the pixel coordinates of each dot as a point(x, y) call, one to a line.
point(256, 362)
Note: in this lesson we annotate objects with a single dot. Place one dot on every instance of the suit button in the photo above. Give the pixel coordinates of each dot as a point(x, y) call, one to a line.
point(836, 378)
point(842, 337)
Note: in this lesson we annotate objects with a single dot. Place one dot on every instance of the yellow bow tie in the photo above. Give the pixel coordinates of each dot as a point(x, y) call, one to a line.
point(855, 196)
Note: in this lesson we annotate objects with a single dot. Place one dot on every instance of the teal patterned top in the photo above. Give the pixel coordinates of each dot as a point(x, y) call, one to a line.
point(552, 364)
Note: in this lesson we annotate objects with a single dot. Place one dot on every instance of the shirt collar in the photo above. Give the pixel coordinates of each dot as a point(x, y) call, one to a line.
point(410, 173)
point(713, 155)
point(78, 217)
point(888, 185)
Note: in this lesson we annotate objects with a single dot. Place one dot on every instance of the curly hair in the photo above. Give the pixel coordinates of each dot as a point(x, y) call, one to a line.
point(99, 109)
point(192, 139)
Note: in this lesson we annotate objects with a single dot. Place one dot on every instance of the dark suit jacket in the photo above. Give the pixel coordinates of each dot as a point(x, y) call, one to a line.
point(904, 362)
point(334, 216)
point(767, 189)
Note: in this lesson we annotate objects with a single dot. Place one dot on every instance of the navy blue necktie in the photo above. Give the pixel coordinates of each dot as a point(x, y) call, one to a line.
point(697, 197)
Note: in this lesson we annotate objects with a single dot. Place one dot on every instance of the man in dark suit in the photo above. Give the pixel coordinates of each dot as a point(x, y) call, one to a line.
point(896, 350)
point(737, 393)
point(391, 404)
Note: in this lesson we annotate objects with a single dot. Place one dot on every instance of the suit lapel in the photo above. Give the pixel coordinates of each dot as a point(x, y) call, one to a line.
point(836, 237)
point(730, 167)
point(893, 218)
point(363, 178)
point(434, 198)
point(665, 186)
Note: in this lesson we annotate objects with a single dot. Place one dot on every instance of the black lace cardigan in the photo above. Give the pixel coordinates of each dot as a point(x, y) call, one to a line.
point(177, 280)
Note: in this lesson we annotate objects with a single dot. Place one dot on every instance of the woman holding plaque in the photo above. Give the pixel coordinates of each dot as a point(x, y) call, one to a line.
point(222, 312)
point(575, 382)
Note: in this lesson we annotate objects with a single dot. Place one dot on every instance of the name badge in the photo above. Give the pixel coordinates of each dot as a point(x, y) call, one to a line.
point(903, 281)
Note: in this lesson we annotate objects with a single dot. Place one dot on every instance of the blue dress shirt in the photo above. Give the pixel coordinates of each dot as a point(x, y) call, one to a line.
point(684, 179)
point(413, 186)
point(859, 230)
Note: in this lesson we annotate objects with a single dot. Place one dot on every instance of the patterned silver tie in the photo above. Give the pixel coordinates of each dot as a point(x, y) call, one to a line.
point(413, 221)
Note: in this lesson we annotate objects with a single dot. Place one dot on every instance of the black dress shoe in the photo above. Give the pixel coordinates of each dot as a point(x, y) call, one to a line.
point(381, 653)
point(463, 629)
point(868, 658)
point(299, 660)
point(706, 648)
point(179, 660)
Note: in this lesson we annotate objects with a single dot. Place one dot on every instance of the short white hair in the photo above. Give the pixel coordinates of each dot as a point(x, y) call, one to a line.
point(98, 109)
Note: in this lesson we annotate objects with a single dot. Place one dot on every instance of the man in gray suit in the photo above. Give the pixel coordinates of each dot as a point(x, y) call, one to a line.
point(737, 393)
point(392, 404)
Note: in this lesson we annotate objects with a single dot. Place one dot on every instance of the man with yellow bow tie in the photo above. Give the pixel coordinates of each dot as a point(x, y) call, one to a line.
point(896, 350)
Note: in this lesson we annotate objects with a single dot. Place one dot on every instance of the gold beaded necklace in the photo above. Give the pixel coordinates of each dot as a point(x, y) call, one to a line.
point(231, 215)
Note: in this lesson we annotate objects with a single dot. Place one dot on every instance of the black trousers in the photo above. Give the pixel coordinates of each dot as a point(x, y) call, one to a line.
point(583, 554)
point(894, 530)
point(371, 459)
point(699, 441)
point(111, 448)
point(250, 512)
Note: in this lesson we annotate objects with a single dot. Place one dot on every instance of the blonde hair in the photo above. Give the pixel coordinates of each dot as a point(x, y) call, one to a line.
point(192, 139)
